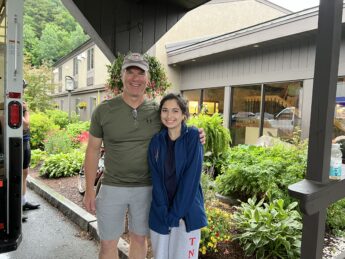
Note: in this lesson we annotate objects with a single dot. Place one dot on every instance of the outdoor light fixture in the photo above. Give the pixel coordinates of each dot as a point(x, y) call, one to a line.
point(69, 83)
point(69, 86)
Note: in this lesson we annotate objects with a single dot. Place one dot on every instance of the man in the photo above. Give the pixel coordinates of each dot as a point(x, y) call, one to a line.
point(26, 157)
point(126, 125)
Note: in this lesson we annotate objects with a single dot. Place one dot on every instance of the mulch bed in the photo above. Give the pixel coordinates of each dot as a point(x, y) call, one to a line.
point(68, 188)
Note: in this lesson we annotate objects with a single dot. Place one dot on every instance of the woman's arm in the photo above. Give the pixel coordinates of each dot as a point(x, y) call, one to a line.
point(26, 116)
point(189, 183)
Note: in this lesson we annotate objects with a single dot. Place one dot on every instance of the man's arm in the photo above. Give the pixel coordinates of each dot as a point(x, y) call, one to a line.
point(202, 136)
point(90, 165)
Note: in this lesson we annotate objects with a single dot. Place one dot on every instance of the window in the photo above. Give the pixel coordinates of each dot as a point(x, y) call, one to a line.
point(339, 113)
point(60, 74)
point(93, 104)
point(61, 105)
point(193, 98)
point(75, 66)
point(60, 80)
point(245, 123)
point(213, 100)
point(281, 115)
point(90, 58)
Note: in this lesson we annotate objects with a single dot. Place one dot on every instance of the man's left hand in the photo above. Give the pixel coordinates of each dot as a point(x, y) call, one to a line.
point(202, 136)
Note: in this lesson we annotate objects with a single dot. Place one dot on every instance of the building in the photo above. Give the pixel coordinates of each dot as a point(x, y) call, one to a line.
point(259, 77)
point(87, 65)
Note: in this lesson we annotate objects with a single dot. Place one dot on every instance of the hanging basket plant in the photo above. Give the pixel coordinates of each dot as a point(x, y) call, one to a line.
point(82, 105)
point(157, 85)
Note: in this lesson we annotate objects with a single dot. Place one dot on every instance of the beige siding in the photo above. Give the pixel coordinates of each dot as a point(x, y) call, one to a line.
point(291, 60)
point(101, 63)
point(212, 19)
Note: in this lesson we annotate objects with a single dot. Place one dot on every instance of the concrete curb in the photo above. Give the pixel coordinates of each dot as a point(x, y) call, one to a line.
point(79, 216)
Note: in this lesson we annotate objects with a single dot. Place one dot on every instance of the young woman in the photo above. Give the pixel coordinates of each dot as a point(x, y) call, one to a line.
point(177, 209)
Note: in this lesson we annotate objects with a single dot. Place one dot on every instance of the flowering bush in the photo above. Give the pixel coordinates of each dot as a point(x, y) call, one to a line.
point(83, 137)
point(218, 230)
point(76, 129)
point(158, 80)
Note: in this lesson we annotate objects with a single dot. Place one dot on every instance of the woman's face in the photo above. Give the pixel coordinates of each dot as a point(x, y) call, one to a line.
point(171, 114)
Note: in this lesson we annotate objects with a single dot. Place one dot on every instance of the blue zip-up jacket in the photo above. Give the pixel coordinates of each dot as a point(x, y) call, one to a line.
point(188, 202)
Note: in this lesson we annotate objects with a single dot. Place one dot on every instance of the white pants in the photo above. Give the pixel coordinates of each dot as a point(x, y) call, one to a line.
point(179, 244)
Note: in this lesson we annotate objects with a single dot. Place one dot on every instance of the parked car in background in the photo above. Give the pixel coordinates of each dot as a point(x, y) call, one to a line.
point(285, 120)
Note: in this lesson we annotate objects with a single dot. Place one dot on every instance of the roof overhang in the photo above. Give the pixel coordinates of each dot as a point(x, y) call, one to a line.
point(119, 26)
point(300, 23)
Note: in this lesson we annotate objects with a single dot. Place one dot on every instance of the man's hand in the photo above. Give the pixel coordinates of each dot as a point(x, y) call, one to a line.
point(90, 201)
point(202, 136)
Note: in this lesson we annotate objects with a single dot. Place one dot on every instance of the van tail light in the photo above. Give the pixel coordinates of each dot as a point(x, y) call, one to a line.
point(14, 114)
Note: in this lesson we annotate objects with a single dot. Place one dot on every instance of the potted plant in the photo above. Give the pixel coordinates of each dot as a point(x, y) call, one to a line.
point(82, 105)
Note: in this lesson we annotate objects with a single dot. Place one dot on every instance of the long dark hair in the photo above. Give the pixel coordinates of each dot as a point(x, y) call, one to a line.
point(181, 102)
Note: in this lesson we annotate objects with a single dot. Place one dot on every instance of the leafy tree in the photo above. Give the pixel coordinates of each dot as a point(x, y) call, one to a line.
point(54, 43)
point(50, 32)
point(39, 85)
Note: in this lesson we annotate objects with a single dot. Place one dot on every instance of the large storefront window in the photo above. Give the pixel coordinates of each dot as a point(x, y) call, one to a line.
point(245, 114)
point(208, 101)
point(193, 97)
point(339, 113)
point(213, 100)
point(281, 106)
point(283, 103)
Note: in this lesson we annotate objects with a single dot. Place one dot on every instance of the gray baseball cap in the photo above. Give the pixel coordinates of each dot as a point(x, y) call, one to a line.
point(135, 60)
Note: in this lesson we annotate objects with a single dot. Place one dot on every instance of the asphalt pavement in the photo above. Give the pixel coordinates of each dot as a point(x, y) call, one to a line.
point(48, 234)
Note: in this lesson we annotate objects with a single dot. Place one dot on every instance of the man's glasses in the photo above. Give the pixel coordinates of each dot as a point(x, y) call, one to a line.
point(135, 117)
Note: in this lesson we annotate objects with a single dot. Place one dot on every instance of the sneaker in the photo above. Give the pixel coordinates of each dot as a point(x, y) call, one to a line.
point(24, 218)
point(30, 206)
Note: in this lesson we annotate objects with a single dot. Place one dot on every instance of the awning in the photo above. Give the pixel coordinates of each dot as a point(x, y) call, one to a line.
point(340, 100)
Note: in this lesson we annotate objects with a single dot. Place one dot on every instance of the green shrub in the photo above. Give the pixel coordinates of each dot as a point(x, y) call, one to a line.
point(218, 230)
point(207, 185)
point(37, 157)
point(62, 165)
point(58, 142)
point(254, 171)
point(217, 140)
point(74, 117)
point(40, 125)
point(58, 117)
point(268, 230)
point(335, 218)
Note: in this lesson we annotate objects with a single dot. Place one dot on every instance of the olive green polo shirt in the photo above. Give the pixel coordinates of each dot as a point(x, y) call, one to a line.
point(126, 137)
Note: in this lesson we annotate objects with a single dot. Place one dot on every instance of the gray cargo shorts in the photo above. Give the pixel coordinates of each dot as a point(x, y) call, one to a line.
point(112, 203)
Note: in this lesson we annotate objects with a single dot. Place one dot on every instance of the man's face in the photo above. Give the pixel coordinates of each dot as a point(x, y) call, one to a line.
point(134, 81)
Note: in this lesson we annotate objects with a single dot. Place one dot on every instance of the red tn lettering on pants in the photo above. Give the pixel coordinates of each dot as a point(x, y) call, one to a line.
point(191, 252)
point(192, 239)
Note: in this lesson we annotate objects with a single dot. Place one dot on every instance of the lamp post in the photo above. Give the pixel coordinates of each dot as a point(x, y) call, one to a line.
point(69, 86)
